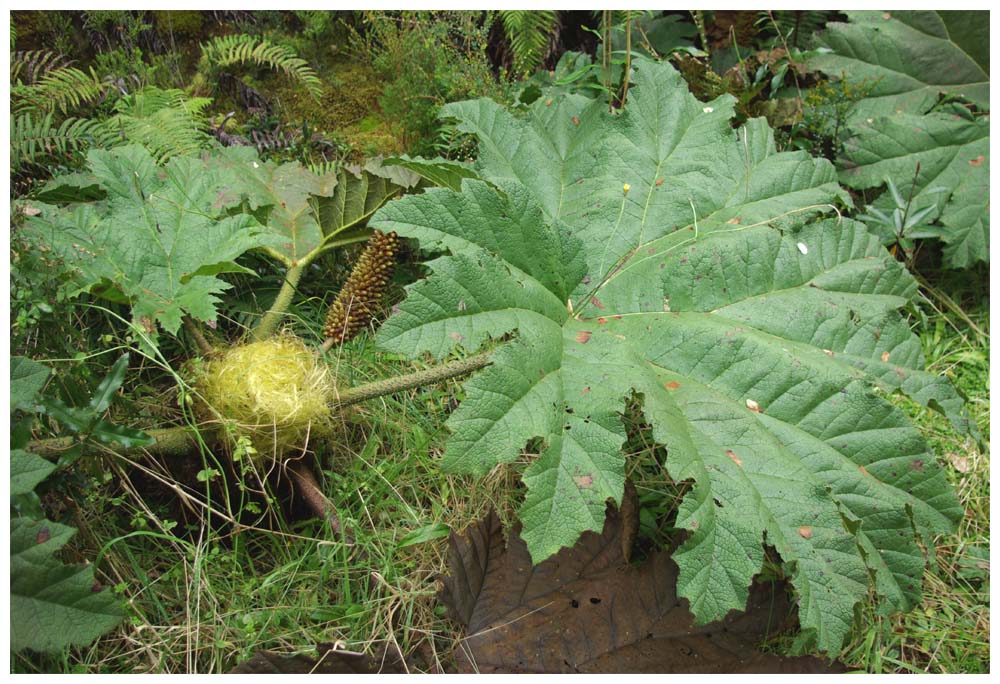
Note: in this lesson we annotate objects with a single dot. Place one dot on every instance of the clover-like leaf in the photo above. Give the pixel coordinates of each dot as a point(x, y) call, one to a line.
point(660, 252)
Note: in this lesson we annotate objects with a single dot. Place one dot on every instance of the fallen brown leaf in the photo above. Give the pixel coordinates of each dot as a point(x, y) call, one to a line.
point(587, 610)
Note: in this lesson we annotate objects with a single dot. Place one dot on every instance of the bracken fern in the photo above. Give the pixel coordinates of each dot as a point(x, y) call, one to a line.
point(165, 122)
point(35, 139)
point(64, 89)
point(225, 51)
point(529, 33)
point(28, 66)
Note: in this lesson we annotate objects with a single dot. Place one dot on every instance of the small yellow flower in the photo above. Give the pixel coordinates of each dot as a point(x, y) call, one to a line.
point(626, 188)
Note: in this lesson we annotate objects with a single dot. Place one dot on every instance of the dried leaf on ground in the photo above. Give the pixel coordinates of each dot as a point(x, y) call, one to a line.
point(587, 610)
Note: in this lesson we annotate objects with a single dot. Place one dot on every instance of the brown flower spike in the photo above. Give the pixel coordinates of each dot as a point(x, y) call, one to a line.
point(356, 302)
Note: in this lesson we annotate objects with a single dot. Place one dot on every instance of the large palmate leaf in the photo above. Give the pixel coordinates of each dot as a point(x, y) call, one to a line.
point(303, 210)
point(909, 58)
point(158, 239)
point(280, 195)
point(953, 156)
point(659, 252)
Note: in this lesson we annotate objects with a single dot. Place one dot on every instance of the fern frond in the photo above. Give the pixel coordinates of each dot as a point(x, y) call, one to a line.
point(165, 122)
point(529, 32)
point(324, 167)
point(34, 140)
point(64, 88)
point(28, 66)
point(224, 51)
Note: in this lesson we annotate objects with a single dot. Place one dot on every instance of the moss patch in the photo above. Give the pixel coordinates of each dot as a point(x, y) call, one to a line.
point(348, 108)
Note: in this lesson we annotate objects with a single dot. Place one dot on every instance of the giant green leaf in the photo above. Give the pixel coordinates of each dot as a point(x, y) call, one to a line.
point(909, 58)
point(661, 253)
point(283, 195)
point(438, 171)
point(306, 211)
point(52, 605)
point(360, 191)
point(953, 157)
point(160, 238)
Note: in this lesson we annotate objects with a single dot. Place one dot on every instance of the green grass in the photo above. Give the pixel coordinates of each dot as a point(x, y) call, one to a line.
point(949, 632)
point(209, 578)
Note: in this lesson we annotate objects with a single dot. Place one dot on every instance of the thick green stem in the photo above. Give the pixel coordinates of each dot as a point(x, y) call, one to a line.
point(269, 322)
point(177, 441)
point(173, 441)
point(400, 383)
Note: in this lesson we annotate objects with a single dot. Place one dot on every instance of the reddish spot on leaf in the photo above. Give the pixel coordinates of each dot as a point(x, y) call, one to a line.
point(596, 302)
point(828, 352)
point(736, 459)
point(735, 221)
point(885, 357)
point(659, 182)
point(584, 481)
point(617, 317)
point(576, 121)
point(583, 336)
point(602, 320)
point(456, 336)
point(548, 103)
point(978, 161)
point(887, 16)
point(42, 536)
point(672, 385)
point(917, 464)
point(806, 532)
point(865, 472)
point(586, 390)
point(95, 587)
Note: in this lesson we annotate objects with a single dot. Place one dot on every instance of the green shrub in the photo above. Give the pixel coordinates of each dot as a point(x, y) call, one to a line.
point(428, 59)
